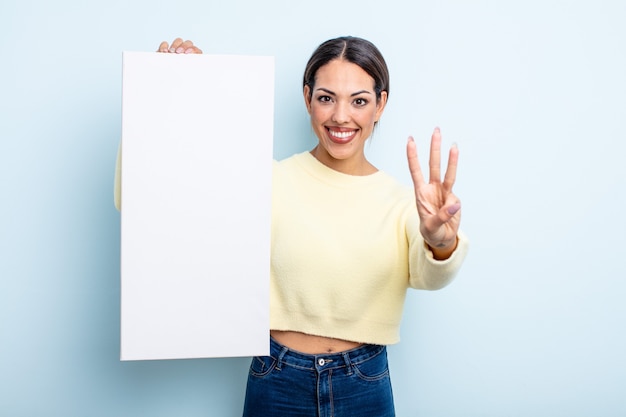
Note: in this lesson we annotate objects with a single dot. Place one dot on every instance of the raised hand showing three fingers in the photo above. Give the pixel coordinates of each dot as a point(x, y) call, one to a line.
point(438, 208)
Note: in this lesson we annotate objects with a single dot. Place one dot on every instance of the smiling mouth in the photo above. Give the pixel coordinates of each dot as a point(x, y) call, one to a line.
point(341, 136)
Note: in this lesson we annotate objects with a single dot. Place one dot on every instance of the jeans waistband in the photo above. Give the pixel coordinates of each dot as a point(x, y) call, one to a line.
point(323, 361)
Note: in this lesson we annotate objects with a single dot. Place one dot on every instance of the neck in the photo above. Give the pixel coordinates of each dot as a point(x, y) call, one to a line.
point(354, 166)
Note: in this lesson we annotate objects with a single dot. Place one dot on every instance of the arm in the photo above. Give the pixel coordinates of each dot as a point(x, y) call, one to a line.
point(117, 186)
point(179, 47)
point(426, 272)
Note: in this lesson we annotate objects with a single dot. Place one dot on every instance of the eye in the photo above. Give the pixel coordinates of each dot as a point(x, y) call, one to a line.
point(360, 102)
point(324, 99)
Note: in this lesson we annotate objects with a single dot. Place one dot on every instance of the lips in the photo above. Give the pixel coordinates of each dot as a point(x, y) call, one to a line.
point(341, 136)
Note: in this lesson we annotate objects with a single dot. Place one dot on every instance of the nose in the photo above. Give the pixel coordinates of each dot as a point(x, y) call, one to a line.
point(341, 114)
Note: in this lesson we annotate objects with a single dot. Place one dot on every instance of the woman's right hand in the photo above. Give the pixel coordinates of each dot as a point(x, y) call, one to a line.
point(179, 46)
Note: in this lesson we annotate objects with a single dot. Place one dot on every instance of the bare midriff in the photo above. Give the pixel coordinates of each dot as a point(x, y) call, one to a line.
point(313, 345)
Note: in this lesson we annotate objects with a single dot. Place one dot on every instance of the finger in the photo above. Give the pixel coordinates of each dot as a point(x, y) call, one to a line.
point(414, 164)
point(193, 50)
point(453, 160)
point(435, 156)
point(163, 47)
point(452, 206)
point(180, 49)
point(175, 44)
point(450, 209)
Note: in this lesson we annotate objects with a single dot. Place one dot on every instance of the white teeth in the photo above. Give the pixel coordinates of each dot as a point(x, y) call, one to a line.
point(341, 135)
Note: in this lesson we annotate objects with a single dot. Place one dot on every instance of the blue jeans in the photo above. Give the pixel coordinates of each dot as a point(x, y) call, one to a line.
point(290, 383)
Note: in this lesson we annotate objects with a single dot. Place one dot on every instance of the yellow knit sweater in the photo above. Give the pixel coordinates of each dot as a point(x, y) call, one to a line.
point(345, 249)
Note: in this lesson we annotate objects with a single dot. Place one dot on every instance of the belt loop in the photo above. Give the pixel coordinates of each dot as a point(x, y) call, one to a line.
point(346, 359)
point(279, 361)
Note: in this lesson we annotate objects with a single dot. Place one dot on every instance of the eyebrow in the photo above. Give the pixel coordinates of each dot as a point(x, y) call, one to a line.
point(351, 95)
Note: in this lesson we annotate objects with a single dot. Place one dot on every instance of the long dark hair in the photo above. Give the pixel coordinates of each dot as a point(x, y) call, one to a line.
point(352, 49)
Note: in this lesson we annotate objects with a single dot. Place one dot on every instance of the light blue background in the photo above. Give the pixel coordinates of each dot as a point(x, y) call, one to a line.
point(534, 93)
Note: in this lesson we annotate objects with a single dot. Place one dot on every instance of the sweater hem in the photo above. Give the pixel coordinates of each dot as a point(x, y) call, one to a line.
point(369, 332)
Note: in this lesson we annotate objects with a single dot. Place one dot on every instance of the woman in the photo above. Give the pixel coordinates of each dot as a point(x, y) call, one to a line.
point(347, 242)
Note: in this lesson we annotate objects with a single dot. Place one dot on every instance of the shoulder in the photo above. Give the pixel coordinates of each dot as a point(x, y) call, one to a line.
point(392, 186)
point(290, 162)
point(289, 167)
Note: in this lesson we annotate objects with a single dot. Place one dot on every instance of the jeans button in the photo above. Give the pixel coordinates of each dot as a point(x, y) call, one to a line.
point(321, 362)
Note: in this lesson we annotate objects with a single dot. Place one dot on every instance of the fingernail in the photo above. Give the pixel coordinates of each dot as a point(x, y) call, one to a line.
point(180, 50)
point(453, 209)
point(172, 50)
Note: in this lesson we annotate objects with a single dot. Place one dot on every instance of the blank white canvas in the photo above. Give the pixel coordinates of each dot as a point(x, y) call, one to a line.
point(197, 136)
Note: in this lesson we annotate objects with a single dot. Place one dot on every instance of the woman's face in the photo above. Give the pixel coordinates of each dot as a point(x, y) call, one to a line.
point(343, 110)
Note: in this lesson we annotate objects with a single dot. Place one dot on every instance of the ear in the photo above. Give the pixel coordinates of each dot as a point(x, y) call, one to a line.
point(307, 98)
point(380, 105)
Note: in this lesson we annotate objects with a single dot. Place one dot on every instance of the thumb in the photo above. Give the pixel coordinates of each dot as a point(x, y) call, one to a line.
point(454, 208)
point(451, 207)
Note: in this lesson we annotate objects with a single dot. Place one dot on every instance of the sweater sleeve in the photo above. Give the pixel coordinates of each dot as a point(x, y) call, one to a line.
point(426, 272)
point(117, 185)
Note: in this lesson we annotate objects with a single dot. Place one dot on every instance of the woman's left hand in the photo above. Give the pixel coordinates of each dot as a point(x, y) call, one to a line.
point(438, 208)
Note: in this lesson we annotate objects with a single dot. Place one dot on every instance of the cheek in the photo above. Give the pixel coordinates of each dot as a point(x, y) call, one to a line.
point(367, 120)
point(318, 114)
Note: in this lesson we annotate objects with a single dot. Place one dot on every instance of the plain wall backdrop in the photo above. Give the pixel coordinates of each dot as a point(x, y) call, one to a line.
point(532, 91)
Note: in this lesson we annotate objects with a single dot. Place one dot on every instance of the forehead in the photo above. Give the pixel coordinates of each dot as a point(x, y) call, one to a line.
point(343, 76)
